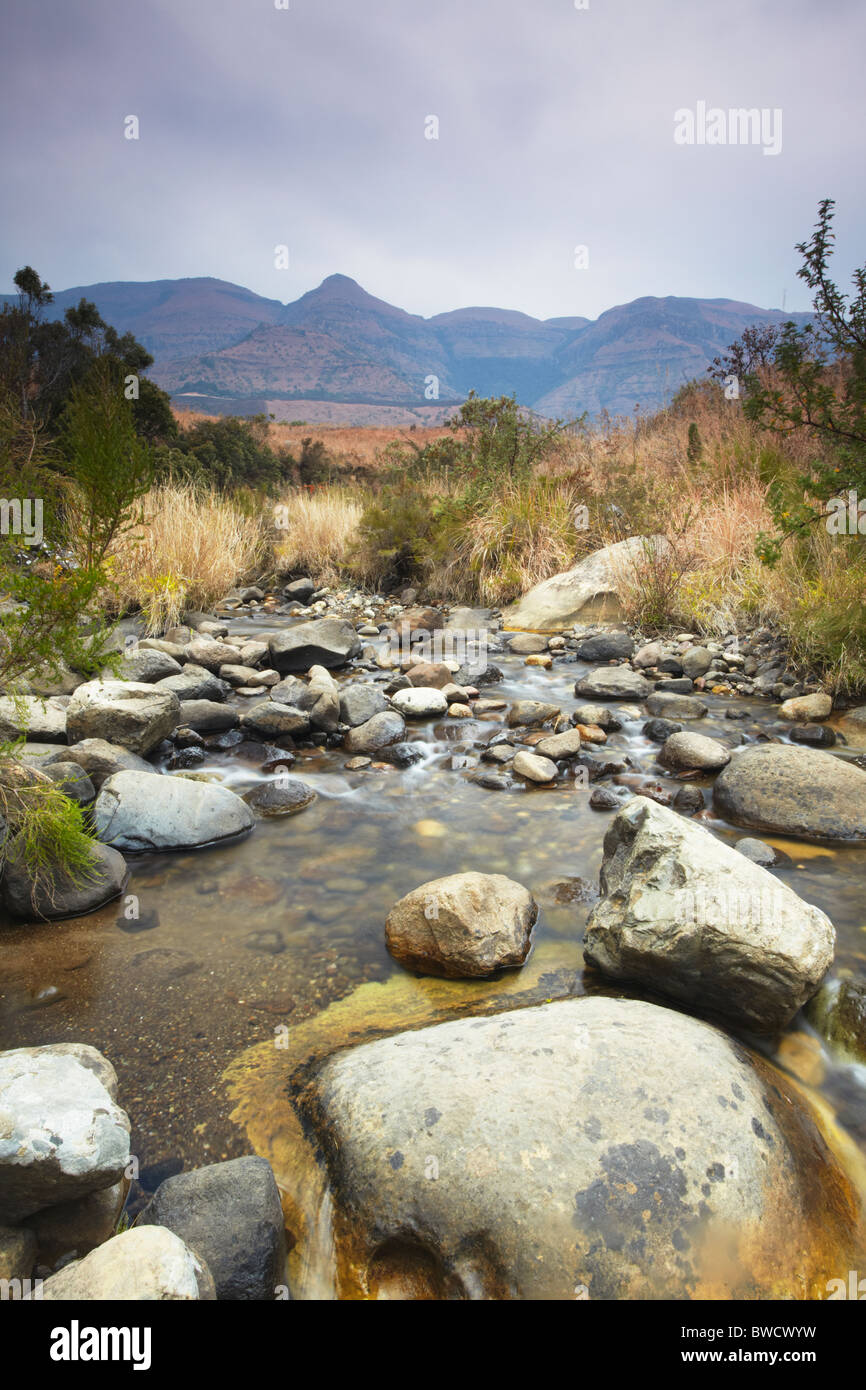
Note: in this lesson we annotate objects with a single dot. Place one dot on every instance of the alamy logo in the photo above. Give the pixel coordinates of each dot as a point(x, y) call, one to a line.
point(736, 126)
point(846, 516)
point(77, 1343)
point(855, 1288)
point(22, 516)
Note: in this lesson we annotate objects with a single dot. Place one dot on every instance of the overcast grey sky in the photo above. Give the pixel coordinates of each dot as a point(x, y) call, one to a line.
point(306, 127)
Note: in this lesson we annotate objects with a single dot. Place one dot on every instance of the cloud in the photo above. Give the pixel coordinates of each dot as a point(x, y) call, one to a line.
point(306, 127)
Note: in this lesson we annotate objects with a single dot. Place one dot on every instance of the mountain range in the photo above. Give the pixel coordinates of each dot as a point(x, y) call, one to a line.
point(338, 354)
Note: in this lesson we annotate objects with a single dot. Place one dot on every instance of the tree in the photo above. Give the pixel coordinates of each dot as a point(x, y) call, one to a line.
point(816, 384)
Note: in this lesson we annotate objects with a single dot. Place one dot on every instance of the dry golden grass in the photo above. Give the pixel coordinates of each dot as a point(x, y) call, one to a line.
point(189, 550)
point(316, 531)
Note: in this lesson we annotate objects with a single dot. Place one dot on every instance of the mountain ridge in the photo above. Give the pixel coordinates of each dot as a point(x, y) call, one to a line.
point(220, 343)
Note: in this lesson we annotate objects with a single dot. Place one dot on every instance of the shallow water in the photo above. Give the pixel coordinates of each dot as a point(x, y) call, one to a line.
point(247, 944)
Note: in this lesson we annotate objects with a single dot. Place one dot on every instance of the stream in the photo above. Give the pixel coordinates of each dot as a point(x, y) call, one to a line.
point(275, 945)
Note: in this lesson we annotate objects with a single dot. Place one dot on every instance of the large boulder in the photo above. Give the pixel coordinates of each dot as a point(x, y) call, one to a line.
point(325, 642)
point(139, 813)
point(613, 683)
point(228, 1214)
point(687, 916)
point(134, 714)
point(55, 893)
point(464, 925)
point(62, 1134)
point(793, 791)
point(144, 1265)
point(588, 592)
point(592, 1148)
point(805, 709)
point(41, 719)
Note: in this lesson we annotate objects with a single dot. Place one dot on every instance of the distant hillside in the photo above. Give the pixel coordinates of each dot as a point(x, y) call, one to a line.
point(220, 348)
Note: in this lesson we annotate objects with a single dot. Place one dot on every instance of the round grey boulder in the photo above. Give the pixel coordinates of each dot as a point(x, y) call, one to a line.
point(139, 813)
point(793, 791)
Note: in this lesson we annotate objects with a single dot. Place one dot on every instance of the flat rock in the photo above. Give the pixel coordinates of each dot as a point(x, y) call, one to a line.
point(376, 733)
point(99, 759)
point(666, 705)
point(270, 719)
point(534, 768)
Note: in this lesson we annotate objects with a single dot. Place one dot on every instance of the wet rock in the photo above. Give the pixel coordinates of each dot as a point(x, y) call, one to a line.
point(248, 677)
point(666, 705)
point(693, 752)
point(40, 720)
point(607, 1149)
point(401, 754)
point(268, 943)
point(142, 814)
point(689, 801)
point(613, 683)
point(358, 703)
point(328, 642)
point(492, 781)
point(761, 853)
point(421, 702)
point(55, 894)
point(813, 735)
point(133, 714)
point(270, 719)
point(676, 685)
point(566, 745)
point(660, 730)
point(687, 916)
point(606, 646)
point(376, 733)
point(793, 791)
point(598, 716)
point(838, 1011)
point(462, 926)
point(62, 1135)
point(589, 591)
point(185, 758)
point(498, 753)
point(357, 764)
point(283, 797)
point(145, 1264)
point(605, 799)
point(531, 713)
point(534, 768)
point(597, 767)
point(807, 709)
point(324, 696)
point(229, 1215)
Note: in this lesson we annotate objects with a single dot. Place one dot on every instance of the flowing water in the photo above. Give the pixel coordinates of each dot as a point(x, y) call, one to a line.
point(244, 957)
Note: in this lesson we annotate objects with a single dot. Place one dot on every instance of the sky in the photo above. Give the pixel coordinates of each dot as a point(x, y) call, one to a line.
point(308, 127)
